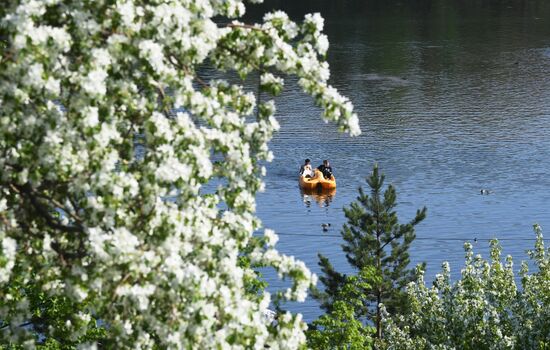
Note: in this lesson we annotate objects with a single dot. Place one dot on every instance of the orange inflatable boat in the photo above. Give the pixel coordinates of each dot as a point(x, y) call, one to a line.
point(318, 180)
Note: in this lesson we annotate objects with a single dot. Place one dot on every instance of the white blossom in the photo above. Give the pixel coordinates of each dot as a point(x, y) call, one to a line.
point(91, 116)
point(9, 246)
point(94, 82)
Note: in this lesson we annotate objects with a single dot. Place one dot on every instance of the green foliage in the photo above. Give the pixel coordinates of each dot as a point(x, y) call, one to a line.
point(254, 284)
point(56, 315)
point(484, 309)
point(373, 238)
point(339, 328)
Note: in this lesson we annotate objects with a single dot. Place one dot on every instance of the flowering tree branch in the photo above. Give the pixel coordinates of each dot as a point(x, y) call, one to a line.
point(105, 120)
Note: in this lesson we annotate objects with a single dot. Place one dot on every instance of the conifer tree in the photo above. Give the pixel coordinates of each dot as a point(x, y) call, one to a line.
point(373, 238)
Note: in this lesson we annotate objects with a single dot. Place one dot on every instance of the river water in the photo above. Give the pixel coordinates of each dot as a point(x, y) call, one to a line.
point(452, 98)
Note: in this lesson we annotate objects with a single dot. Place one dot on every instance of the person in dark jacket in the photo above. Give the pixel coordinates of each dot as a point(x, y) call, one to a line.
point(326, 169)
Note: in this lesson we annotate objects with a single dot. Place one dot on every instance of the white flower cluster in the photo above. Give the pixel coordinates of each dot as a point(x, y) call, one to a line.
point(8, 258)
point(271, 83)
point(482, 310)
point(290, 48)
point(108, 135)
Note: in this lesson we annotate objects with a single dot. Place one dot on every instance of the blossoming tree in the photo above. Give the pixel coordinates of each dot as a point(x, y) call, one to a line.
point(484, 309)
point(127, 237)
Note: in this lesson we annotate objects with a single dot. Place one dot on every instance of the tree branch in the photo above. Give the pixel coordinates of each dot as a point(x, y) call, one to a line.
point(245, 26)
point(180, 65)
point(27, 192)
point(21, 325)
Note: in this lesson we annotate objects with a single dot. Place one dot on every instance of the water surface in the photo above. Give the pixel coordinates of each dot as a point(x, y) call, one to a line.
point(452, 98)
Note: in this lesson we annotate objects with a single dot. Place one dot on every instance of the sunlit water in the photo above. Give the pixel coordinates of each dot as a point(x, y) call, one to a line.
point(451, 101)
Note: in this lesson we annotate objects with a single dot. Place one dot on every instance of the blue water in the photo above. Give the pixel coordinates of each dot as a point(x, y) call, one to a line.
point(451, 100)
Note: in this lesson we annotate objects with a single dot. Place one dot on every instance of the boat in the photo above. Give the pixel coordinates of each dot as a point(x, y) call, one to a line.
point(317, 181)
point(309, 183)
point(327, 184)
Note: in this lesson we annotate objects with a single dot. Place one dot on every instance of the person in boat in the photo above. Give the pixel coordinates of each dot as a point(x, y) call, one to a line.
point(306, 170)
point(326, 169)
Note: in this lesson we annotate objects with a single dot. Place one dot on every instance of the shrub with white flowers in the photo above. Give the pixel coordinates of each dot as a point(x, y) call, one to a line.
point(108, 136)
point(484, 309)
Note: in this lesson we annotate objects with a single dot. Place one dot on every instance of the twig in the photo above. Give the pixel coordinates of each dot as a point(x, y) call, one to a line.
point(186, 69)
point(21, 325)
point(74, 216)
point(259, 95)
point(246, 26)
point(27, 191)
point(239, 55)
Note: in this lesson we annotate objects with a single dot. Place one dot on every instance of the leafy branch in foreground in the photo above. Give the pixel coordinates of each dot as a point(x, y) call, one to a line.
point(339, 328)
point(107, 139)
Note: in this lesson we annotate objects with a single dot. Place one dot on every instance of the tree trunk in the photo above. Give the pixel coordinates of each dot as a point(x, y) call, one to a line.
point(379, 288)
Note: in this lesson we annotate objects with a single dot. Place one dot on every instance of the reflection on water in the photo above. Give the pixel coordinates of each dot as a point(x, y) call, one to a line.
point(321, 196)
